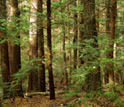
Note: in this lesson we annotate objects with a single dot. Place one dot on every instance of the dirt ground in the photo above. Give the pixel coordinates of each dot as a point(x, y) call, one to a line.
point(60, 101)
point(37, 101)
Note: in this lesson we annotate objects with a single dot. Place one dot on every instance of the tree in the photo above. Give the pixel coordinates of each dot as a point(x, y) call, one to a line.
point(63, 46)
point(41, 74)
point(33, 41)
point(49, 46)
point(108, 32)
point(75, 36)
point(64, 56)
point(81, 33)
point(113, 4)
point(14, 47)
point(4, 58)
point(93, 78)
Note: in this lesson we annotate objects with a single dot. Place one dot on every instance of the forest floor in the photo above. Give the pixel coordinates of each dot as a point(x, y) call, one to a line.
point(60, 101)
point(41, 101)
point(38, 101)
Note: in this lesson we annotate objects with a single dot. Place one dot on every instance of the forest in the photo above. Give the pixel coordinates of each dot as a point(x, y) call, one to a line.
point(61, 53)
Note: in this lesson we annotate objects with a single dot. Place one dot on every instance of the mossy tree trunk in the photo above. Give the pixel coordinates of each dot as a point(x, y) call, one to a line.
point(93, 80)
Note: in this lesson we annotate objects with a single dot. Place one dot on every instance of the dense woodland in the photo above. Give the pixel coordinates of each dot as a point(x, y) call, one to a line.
point(69, 50)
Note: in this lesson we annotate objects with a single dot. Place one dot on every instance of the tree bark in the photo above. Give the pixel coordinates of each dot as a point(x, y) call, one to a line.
point(33, 41)
point(64, 51)
point(81, 34)
point(108, 33)
point(4, 58)
point(14, 48)
point(75, 36)
point(41, 72)
point(93, 80)
point(64, 56)
point(111, 39)
point(70, 53)
point(49, 45)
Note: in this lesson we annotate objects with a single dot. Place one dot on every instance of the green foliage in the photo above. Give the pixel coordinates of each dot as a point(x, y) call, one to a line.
point(63, 23)
point(111, 95)
point(77, 102)
point(119, 102)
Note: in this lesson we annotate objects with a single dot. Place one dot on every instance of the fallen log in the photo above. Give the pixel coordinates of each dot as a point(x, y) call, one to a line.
point(29, 95)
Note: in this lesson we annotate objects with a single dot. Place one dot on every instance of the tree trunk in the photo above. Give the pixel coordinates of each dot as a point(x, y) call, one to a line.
point(93, 80)
point(64, 56)
point(33, 41)
point(64, 51)
point(111, 40)
point(14, 48)
point(4, 58)
point(108, 33)
point(81, 34)
point(49, 45)
point(75, 36)
point(41, 72)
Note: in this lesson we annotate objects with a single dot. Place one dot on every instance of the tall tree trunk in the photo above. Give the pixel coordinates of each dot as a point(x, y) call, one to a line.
point(70, 63)
point(49, 45)
point(111, 40)
point(93, 78)
point(14, 48)
point(108, 32)
point(41, 72)
point(33, 41)
point(4, 58)
point(75, 36)
point(64, 56)
point(64, 51)
point(70, 52)
point(81, 34)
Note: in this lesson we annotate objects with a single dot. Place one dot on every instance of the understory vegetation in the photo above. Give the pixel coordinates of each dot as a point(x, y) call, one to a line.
point(62, 53)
